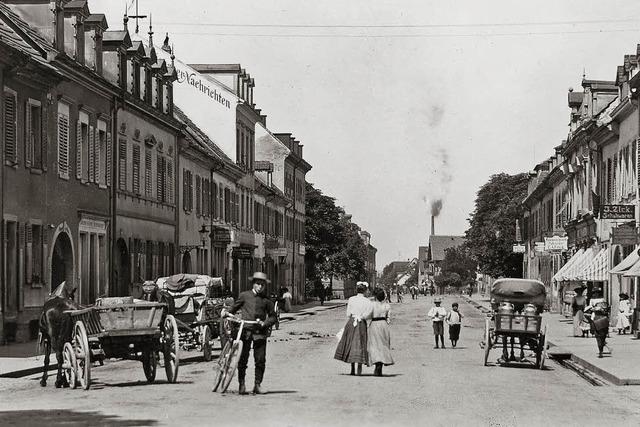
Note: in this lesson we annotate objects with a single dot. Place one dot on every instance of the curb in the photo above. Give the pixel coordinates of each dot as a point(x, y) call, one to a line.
point(28, 371)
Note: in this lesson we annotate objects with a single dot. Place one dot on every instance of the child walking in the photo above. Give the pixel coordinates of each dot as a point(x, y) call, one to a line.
point(454, 320)
point(437, 315)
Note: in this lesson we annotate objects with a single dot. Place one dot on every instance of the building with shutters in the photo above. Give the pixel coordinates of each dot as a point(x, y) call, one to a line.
point(56, 219)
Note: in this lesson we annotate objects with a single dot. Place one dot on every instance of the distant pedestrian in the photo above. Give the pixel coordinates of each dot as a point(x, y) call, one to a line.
point(624, 312)
point(600, 322)
point(578, 303)
point(352, 347)
point(399, 294)
point(437, 315)
point(287, 297)
point(454, 320)
point(379, 334)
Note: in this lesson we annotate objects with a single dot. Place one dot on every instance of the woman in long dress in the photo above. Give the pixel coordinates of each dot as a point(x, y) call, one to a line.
point(624, 312)
point(352, 347)
point(577, 306)
point(379, 336)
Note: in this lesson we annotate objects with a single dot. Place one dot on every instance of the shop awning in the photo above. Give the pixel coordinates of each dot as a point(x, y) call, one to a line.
point(575, 271)
point(626, 263)
point(558, 276)
point(597, 270)
point(633, 271)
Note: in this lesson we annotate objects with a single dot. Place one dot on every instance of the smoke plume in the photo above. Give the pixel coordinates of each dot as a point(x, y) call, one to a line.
point(436, 207)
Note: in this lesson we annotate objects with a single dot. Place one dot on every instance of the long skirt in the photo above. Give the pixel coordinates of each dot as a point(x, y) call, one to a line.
point(577, 319)
point(623, 321)
point(454, 332)
point(379, 343)
point(352, 347)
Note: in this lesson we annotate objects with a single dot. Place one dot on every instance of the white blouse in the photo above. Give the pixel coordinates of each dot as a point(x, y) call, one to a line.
point(359, 307)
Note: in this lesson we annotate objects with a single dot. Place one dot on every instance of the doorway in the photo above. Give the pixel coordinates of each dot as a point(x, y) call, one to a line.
point(186, 262)
point(123, 272)
point(61, 261)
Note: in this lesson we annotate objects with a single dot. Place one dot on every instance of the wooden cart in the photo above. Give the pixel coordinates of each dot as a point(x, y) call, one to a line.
point(117, 328)
point(504, 329)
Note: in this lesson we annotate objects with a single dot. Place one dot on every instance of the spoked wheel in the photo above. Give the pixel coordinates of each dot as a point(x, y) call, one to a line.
point(207, 346)
point(223, 361)
point(149, 364)
point(83, 355)
point(69, 365)
point(230, 368)
point(487, 341)
point(170, 350)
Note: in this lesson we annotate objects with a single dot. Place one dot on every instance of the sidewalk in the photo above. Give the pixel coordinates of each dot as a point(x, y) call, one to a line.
point(619, 368)
point(20, 359)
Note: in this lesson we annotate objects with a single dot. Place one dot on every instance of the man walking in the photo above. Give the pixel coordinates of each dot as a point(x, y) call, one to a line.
point(254, 305)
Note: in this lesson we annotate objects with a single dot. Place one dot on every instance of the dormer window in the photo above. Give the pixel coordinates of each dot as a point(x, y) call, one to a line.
point(94, 27)
point(75, 12)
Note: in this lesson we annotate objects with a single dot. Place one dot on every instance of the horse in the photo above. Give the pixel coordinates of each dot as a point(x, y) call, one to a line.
point(55, 329)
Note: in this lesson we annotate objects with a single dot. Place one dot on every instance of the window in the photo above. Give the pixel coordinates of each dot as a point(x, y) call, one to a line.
point(33, 134)
point(214, 196)
point(63, 141)
point(136, 169)
point(187, 189)
point(82, 147)
point(108, 152)
point(91, 155)
point(227, 205)
point(101, 155)
point(10, 126)
point(33, 251)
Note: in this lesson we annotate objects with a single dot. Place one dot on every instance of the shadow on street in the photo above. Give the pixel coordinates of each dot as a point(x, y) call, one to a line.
point(65, 417)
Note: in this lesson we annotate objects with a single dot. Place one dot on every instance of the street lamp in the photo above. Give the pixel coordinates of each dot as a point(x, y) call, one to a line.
point(203, 239)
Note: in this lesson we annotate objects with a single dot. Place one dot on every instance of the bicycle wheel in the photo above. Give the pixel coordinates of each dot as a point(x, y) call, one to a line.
point(223, 361)
point(230, 369)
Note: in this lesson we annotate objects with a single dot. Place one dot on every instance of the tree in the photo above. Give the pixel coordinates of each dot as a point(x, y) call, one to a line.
point(492, 233)
point(332, 241)
point(458, 261)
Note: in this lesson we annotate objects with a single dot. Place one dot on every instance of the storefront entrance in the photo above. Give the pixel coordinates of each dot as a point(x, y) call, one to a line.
point(62, 261)
point(123, 271)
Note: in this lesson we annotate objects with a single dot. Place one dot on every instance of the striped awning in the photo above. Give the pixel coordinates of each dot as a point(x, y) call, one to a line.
point(633, 271)
point(597, 270)
point(576, 270)
point(626, 263)
point(558, 276)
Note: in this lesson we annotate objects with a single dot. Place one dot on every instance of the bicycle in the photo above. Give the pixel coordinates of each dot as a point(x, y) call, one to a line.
point(230, 356)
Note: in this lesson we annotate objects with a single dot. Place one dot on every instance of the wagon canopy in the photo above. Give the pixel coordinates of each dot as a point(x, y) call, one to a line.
point(519, 291)
point(190, 284)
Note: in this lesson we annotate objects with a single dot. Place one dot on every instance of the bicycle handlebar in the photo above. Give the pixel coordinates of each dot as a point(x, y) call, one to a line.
point(236, 320)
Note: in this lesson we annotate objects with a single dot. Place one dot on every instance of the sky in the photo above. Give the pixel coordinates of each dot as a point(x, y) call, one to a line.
point(402, 103)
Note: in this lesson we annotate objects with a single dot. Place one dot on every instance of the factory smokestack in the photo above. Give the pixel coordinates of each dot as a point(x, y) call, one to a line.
point(433, 225)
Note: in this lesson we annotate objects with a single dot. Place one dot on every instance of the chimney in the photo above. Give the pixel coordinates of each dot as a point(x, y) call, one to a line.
point(433, 225)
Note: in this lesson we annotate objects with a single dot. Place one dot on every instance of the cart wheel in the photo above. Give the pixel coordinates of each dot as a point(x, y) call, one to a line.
point(171, 346)
point(206, 343)
point(83, 355)
point(223, 361)
point(487, 341)
point(69, 365)
point(149, 363)
point(230, 369)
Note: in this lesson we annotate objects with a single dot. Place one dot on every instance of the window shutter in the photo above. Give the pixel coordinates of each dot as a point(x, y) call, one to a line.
point(28, 136)
point(184, 189)
point(147, 176)
point(29, 252)
point(10, 126)
point(190, 191)
point(92, 154)
point(170, 182)
point(78, 150)
point(44, 138)
point(63, 146)
point(198, 195)
point(160, 177)
point(136, 169)
point(122, 164)
point(108, 152)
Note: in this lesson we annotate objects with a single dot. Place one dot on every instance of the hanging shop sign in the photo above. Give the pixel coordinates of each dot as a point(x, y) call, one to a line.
point(624, 235)
point(518, 249)
point(539, 247)
point(262, 166)
point(617, 211)
point(221, 235)
point(556, 243)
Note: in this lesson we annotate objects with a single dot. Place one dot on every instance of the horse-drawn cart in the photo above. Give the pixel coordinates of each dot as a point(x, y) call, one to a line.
point(196, 302)
point(119, 328)
point(517, 306)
